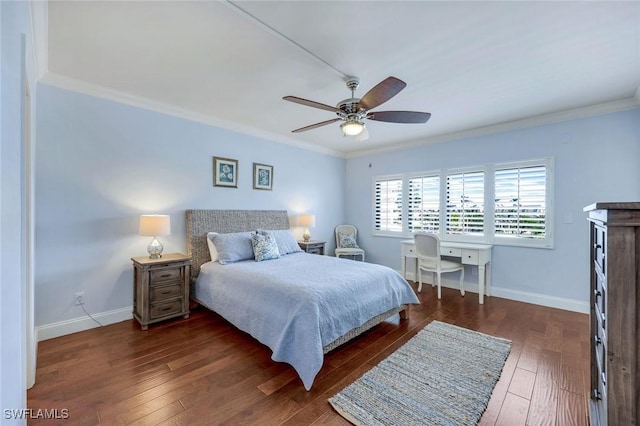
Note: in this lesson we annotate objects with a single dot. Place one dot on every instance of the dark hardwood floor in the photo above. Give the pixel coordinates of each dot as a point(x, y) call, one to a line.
point(204, 371)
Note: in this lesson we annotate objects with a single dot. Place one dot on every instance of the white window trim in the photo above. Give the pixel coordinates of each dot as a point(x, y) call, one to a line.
point(488, 236)
point(383, 233)
point(548, 241)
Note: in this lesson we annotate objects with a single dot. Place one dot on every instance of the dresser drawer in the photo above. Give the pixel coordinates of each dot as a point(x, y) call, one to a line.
point(599, 246)
point(600, 296)
point(452, 251)
point(160, 310)
point(164, 275)
point(160, 293)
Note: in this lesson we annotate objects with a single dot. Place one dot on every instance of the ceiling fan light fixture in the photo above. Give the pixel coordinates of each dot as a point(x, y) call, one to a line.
point(352, 127)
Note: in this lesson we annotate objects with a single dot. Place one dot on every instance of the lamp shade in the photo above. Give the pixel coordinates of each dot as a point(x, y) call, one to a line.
point(352, 127)
point(154, 225)
point(307, 220)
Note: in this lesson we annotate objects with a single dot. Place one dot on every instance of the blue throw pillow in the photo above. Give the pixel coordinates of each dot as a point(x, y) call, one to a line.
point(264, 246)
point(233, 247)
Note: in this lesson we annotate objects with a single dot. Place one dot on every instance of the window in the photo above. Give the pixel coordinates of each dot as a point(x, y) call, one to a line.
point(521, 202)
point(509, 204)
point(388, 205)
point(465, 203)
point(423, 212)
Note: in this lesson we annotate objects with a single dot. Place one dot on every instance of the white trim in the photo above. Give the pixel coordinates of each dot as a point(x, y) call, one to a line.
point(518, 296)
point(79, 86)
point(39, 27)
point(539, 120)
point(62, 328)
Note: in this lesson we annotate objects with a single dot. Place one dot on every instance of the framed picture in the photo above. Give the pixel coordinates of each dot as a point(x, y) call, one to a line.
point(225, 172)
point(262, 176)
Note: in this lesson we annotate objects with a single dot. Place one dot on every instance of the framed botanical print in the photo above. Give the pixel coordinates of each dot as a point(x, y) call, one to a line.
point(262, 176)
point(225, 172)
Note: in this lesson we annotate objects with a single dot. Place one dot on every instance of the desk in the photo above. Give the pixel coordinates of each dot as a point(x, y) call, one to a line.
point(469, 253)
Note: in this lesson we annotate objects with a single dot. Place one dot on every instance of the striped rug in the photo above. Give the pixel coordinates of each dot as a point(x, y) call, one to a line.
point(444, 375)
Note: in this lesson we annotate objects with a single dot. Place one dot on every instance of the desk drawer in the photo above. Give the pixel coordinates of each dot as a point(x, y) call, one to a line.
point(409, 250)
point(469, 257)
point(450, 251)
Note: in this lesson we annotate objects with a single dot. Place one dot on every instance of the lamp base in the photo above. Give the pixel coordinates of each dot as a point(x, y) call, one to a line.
point(306, 236)
point(155, 249)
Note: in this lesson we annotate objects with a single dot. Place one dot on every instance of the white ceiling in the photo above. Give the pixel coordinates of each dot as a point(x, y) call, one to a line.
point(471, 64)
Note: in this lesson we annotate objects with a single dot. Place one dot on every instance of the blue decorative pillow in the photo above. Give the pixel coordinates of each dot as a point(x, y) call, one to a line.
point(233, 247)
point(284, 238)
point(264, 246)
point(346, 241)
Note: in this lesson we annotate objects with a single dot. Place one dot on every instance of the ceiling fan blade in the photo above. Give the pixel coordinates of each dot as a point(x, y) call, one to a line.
point(309, 103)
point(381, 93)
point(400, 116)
point(313, 126)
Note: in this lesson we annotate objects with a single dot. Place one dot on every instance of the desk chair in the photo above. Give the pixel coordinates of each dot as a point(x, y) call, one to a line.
point(346, 242)
point(429, 260)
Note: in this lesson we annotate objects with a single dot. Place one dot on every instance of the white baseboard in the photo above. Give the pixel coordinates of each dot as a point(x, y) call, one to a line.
point(49, 331)
point(520, 296)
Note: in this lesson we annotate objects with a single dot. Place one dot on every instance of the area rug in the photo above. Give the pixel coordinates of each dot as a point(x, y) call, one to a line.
point(444, 375)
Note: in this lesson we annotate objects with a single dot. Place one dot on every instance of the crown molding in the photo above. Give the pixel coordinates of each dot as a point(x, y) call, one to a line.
point(79, 86)
point(539, 120)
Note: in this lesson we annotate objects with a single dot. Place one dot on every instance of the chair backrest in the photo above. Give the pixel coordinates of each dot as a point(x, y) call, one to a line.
point(427, 246)
point(346, 229)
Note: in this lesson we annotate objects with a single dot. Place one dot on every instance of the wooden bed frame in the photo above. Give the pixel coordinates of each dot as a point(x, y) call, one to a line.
point(200, 222)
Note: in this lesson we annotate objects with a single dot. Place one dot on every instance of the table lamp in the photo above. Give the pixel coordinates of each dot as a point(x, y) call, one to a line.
point(307, 221)
point(154, 225)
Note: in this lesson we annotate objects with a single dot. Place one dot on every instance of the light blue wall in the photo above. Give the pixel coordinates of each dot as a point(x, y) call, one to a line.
point(596, 159)
point(100, 164)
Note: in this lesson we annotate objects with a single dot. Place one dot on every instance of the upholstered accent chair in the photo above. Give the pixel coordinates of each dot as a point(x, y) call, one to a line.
point(347, 242)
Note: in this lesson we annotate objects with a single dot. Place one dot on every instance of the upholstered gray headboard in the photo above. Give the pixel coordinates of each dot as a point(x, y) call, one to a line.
point(199, 222)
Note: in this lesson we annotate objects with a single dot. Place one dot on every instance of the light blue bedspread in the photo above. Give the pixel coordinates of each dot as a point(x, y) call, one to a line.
point(300, 302)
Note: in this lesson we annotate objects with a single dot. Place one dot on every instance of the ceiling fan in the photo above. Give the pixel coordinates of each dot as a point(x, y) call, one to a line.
point(352, 111)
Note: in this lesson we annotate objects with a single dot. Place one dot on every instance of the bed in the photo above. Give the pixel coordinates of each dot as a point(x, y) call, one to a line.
point(299, 305)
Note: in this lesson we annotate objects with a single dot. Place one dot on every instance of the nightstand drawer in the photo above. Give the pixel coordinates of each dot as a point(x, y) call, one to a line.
point(164, 275)
point(159, 293)
point(160, 310)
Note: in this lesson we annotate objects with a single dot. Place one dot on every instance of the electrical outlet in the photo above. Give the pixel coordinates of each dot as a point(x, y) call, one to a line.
point(79, 298)
point(474, 271)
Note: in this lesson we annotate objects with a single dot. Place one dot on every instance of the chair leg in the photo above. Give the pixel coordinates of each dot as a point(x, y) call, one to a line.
point(419, 280)
point(462, 282)
point(439, 286)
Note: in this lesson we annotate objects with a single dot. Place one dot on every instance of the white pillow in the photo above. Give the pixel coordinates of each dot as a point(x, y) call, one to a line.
point(213, 251)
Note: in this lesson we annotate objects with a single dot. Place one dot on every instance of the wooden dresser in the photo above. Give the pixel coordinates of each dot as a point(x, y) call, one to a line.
point(615, 320)
point(160, 288)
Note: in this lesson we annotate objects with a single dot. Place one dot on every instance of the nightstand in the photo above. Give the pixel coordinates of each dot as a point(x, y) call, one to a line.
point(313, 247)
point(160, 288)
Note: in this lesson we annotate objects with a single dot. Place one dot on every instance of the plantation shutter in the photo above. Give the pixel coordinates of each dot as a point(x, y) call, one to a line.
point(520, 202)
point(465, 203)
point(388, 205)
point(424, 204)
